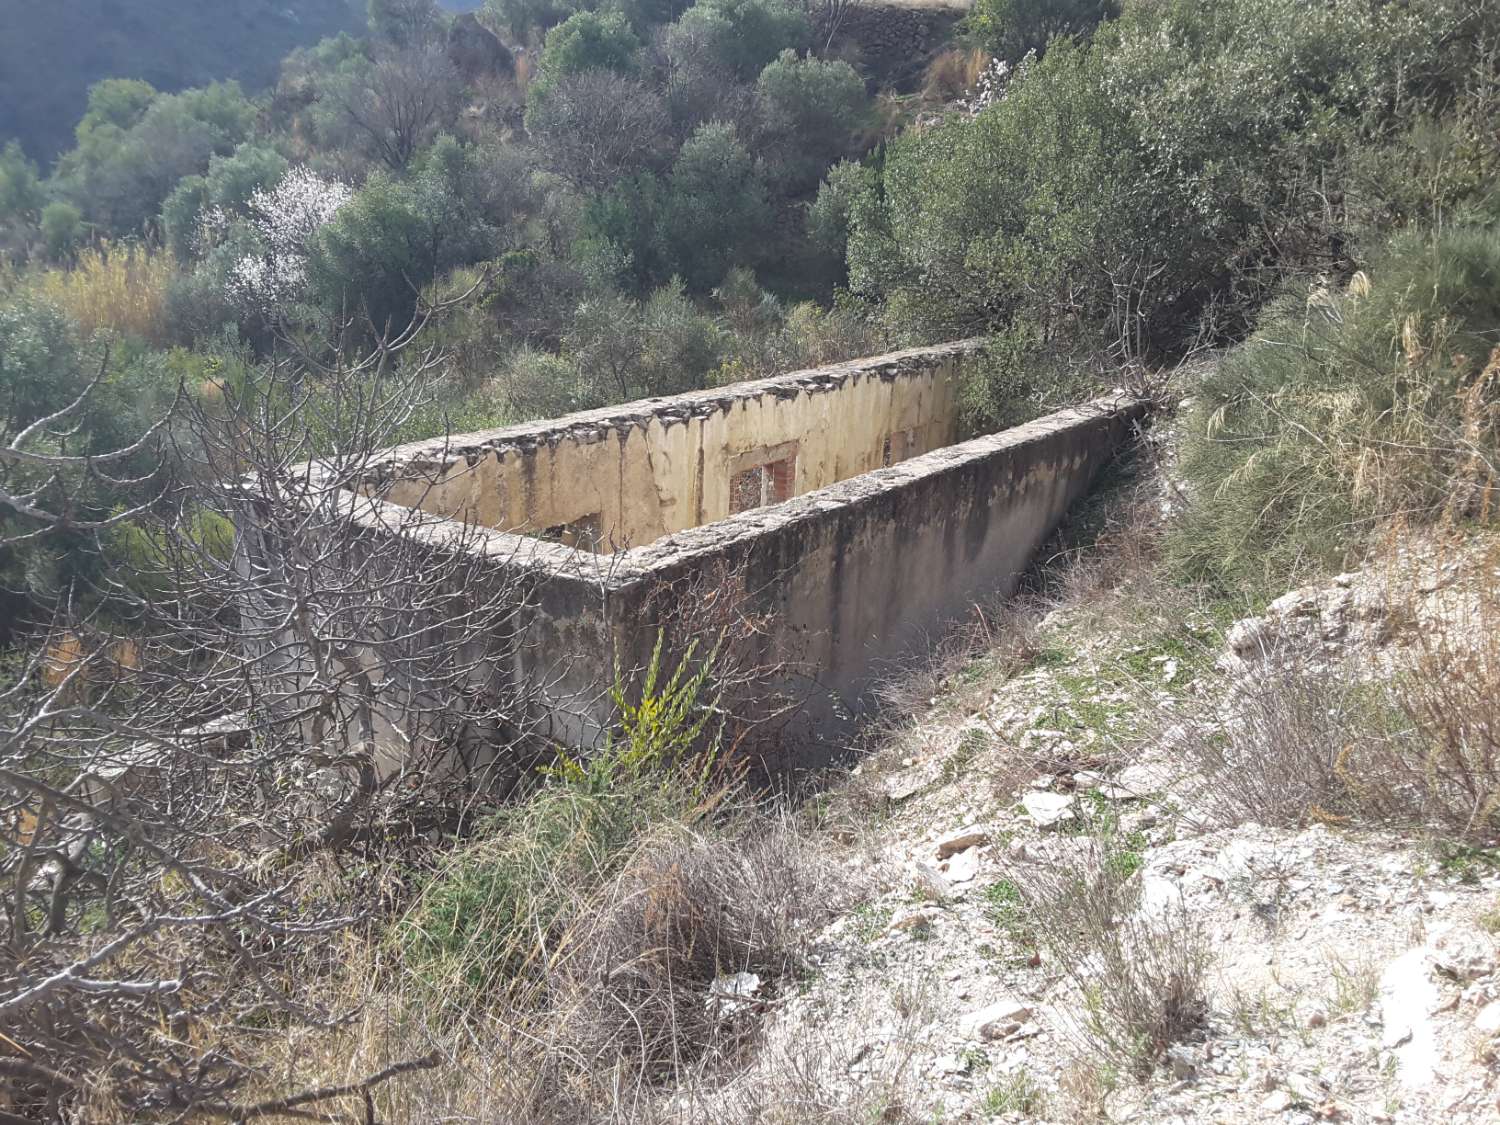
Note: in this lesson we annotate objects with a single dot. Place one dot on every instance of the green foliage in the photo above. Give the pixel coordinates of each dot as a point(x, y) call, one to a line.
point(1018, 1093)
point(815, 109)
point(738, 37)
point(619, 230)
point(1011, 213)
point(45, 366)
point(585, 41)
point(670, 725)
point(632, 349)
point(716, 213)
point(1347, 408)
point(21, 195)
point(395, 236)
point(228, 184)
point(828, 218)
point(116, 102)
point(484, 922)
point(62, 228)
point(1005, 906)
point(120, 174)
point(1181, 163)
point(536, 383)
point(1009, 29)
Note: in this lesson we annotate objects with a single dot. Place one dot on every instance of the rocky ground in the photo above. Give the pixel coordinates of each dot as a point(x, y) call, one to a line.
point(1351, 974)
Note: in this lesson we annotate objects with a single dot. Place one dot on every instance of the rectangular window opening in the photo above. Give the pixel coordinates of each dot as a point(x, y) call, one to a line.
point(585, 533)
point(762, 485)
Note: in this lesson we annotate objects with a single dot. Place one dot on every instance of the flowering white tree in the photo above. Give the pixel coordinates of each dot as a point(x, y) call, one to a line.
point(284, 218)
point(991, 85)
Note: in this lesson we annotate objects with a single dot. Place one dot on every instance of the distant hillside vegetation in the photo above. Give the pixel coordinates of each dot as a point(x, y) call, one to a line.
point(52, 52)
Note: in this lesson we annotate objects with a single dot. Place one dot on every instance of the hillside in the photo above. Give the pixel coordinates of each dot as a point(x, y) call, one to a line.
point(52, 53)
point(700, 564)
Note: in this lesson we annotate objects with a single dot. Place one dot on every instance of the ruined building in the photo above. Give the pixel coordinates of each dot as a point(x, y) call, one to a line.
point(838, 503)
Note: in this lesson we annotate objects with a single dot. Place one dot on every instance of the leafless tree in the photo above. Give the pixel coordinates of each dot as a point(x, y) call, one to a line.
point(395, 105)
point(598, 126)
point(288, 667)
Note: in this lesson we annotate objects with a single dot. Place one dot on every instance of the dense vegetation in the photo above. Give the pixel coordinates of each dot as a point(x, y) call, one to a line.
point(564, 204)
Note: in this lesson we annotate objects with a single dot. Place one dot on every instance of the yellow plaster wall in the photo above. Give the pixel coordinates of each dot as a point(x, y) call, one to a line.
point(647, 470)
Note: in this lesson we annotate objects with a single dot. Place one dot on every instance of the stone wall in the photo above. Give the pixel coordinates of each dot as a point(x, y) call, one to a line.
point(894, 43)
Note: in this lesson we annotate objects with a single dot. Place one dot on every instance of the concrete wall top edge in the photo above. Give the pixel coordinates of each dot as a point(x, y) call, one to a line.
point(437, 454)
point(557, 562)
point(642, 563)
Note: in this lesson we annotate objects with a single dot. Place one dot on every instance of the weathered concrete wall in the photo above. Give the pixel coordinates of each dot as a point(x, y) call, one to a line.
point(847, 577)
point(646, 469)
point(858, 575)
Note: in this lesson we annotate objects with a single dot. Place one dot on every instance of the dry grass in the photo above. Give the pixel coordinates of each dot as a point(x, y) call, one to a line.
point(1139, 968)
point(1449, 778)
point(954, 74)
point(1405, 734)
point(1270, 744)
point(114, 291)
point(616, 1007)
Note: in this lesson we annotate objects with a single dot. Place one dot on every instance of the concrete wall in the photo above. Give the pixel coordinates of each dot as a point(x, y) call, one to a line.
point(847, 578)
point(859, 575)
point(646, 469)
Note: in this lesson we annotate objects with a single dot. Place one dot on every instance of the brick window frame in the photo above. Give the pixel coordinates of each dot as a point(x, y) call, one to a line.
point(761, 477)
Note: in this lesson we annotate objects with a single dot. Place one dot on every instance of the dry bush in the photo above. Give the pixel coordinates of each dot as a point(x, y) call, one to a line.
point(1446, 775)
point(1139, 968)
point(1270, 744)
point(633, 995)
point(953, 74)
point(114, 290)
point(1407, 737)
point(617, 1018)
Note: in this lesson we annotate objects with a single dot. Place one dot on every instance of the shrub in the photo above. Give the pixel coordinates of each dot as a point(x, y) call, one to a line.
point(1406, 738)
point(814, 109)
point(1140, 967)
point(534, 383)
point(716, 214)
point(738, 36)
point(1016, 214)
point(488, 923)
point(1181, 163)
point(639, 966)
point(1348, 408)
point(1010, 28)
point(1450, 778)
point(828, 216)
point(62, 228)
point(585, 41)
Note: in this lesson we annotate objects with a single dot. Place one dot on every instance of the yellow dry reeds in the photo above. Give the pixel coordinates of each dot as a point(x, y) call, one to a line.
point(114, 290)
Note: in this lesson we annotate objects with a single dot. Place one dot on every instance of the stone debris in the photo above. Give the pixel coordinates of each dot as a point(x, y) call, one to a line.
point(996, 1021)
point(962, 840)
point(962, 868)
point(1354, 977)
point(1047, 809)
